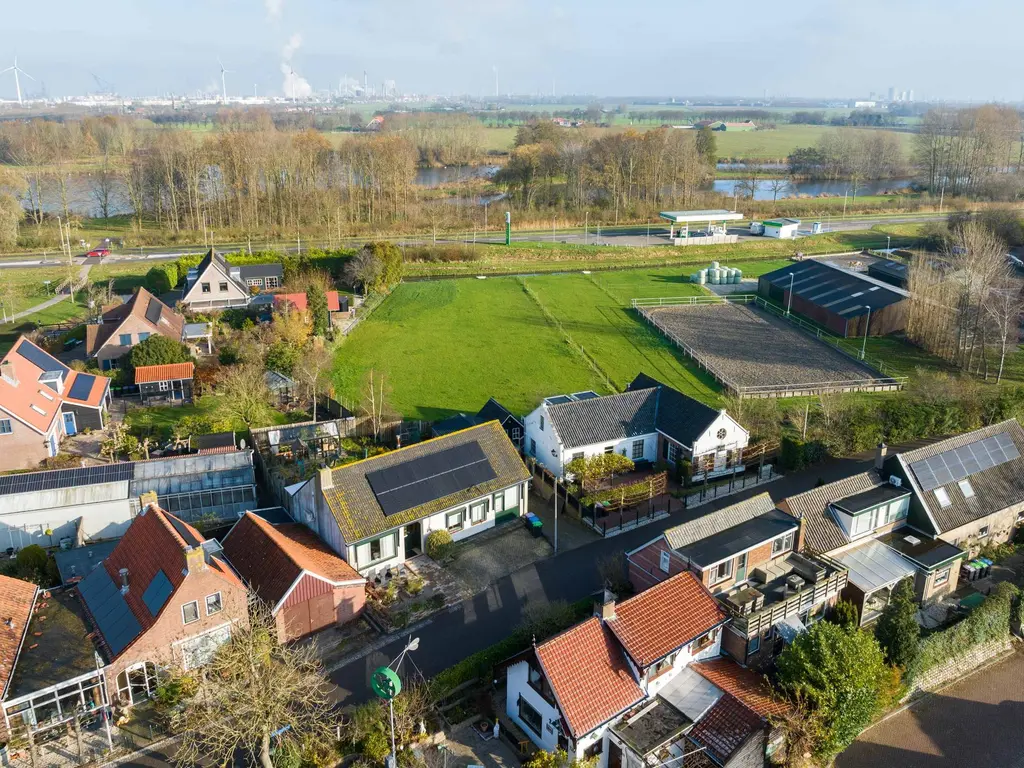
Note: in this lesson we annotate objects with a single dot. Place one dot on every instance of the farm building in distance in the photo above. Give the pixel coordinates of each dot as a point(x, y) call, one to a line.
point(892, 272)
point(838, 299)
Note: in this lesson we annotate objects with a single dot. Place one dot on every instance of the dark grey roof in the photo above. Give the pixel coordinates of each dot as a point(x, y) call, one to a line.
point(894, 272)
point(680, 417)
point(493, 410)
point(838, 290)
point(872, 497)
point(994, 489)
point(605, 419)
point(79, 561)
point(739, 538)
point(214, 440)
point(215, 257)
point(693, 531)
point(454, 424)
point(920, 549)
point(247, 271)
point(109, 610)
point(821, 531)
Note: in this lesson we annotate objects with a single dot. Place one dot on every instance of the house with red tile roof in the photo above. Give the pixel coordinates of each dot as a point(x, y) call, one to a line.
point(306, 585)
point(131, 323)
point(164, 597)
point(171, 382)
point(336, 303)
point(41, 402)
point(568, 691)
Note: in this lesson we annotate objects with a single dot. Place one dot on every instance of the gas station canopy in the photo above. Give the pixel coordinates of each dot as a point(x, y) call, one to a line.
point(695, 217)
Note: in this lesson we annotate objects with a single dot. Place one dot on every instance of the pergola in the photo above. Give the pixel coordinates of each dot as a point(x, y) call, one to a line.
point(686, 218)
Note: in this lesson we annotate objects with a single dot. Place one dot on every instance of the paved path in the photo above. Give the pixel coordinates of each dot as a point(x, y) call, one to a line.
point(978, 721)
point(490, 616)
point(82, 274)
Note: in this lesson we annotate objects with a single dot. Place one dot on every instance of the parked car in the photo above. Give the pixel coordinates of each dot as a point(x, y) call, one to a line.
point(98, 253)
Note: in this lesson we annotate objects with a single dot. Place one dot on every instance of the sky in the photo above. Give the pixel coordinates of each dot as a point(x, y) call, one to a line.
point(943, 49)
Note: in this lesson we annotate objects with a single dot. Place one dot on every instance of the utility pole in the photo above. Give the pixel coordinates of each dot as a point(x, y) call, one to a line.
point(789, 304)
point(867, 327)
point(586, 226)
point(508, 227)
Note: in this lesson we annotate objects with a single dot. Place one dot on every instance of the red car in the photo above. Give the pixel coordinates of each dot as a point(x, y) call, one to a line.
point(99, 253)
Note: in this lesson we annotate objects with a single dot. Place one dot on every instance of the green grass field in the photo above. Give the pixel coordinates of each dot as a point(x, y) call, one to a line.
point(780, 142)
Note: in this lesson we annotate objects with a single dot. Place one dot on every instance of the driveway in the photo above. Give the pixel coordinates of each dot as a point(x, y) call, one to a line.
point(974, 722)
point(491, 615)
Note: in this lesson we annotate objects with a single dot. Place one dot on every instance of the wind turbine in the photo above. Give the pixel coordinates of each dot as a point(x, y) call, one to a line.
point(17, 83)
point(223, 81)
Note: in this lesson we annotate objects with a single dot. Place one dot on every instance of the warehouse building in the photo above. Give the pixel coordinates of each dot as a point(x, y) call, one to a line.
point(842, 301)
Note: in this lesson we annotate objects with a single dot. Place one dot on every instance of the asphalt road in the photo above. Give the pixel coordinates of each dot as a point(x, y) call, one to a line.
point(978, 722)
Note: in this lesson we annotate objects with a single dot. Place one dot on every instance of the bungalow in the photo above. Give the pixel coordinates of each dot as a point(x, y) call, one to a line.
point(377, 512)
point(217, 284)
point(337, 305)
point(492, 411)
point(642, 683)
point(121, 328)
point(41, 402)
point(745, 555)
point(647, 423)
point(306, 585)
point(171, 383)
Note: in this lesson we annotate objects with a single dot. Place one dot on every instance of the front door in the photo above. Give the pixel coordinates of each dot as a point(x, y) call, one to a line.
point(69, 424)
point(614, 755)
point(413, 539)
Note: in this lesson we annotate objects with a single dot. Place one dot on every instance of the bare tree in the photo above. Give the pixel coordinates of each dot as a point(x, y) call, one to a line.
point(362, 270)
point(778, 185)
point(375, 405)
point(1004, 307)
point(313, 371)
point(253, 688)
point(245, 395)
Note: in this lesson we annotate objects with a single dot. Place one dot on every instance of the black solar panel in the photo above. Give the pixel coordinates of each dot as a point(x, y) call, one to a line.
point(40, 359)
point(958, 463)
point(153, 310)
point(157, 592)
point(81, 387)
point(31, 482)
point(107, 605)
point(587, 395)
point(558, 400)
point(429, 478)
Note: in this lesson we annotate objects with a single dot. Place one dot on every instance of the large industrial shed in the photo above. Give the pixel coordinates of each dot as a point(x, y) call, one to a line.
point(836, 298)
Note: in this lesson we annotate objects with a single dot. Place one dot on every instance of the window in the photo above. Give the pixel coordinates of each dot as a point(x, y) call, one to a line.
point(965, 487)
point(46, 394)
point(754, 644)
point(271, 282)
point(206, 287)
point(609, 449)
point(983, 531)
point(664, 561)
point(374, 551)
point(213, 604)
point(125, 339)
point(577, 455)
point(453, 521)
point(898, 510)
point(529, 716)
point(5, 427)
point(783, 544)
point(638, 449)
point(190, 612)
point(722, 434)
point(721, 572)
point(703, 641)
point(533, 447)
point(164, 385)
point(498, 503)
point(673, 453)
point(941, 577)
point(541, 423)
point(661, 667)
point(200, 650)
point(144, 335)
point(942, 497)
point(223, 287)
point(478, 512)
point(516, 434)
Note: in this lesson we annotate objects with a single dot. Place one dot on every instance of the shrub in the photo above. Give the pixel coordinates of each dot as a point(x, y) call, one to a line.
point(175, 689)
point(162, 278)
point(414, 585)
point(439, 545)
point(898, 631)
point(159, 350)
point(376, 746)
point(792, 454)
point(32, 559)
point(845, 614)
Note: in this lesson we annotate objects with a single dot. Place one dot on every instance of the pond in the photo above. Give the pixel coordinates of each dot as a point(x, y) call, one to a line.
point(813, 188)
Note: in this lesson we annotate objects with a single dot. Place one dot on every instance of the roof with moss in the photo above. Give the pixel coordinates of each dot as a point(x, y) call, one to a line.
point(360, 516)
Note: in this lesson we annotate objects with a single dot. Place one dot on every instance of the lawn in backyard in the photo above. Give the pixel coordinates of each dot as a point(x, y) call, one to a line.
point(446, 346)
point(160, 420)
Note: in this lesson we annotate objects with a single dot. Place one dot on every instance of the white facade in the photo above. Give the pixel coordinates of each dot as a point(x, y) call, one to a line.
point(543, 443)
point(214, 289)
point(517, 678)
point(104, 511)
point(783, 229)
point(724, 435)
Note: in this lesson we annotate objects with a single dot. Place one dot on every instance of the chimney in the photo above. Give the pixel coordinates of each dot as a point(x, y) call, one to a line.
point(195, 559)
point(326, 479)
point(8, 374)
point(147, 500)
point(604, 605)
point(124, 581)
point(880, 454)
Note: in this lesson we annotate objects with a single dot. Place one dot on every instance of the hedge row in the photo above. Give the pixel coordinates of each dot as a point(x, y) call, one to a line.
point(163, 278)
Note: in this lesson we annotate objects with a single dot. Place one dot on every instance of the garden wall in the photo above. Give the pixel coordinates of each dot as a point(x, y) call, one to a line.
point(958, 667)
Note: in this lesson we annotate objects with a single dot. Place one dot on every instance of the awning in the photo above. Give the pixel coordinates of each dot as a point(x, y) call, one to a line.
point(789, 628)
point(873, 565)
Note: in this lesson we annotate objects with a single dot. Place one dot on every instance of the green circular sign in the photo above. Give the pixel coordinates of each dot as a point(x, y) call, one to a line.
point(386, 683)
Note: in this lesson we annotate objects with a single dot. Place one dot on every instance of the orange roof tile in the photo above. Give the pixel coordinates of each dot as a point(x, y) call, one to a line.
point(147, 374)
point(271, 557)
point(16, 600)
point(589, 675)
point(725, 727)
point(747, 686)
point(301, 303)
point(665, 617)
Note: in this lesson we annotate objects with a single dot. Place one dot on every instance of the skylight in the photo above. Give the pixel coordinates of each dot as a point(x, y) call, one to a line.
point(965, 487)
point(942, 497)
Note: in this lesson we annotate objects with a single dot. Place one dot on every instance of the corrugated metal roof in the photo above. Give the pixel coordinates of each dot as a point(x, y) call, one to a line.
point(839, 290)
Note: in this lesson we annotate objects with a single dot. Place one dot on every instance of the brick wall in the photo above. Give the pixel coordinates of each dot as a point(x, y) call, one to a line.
point(958, 667)
point(22, 448)
point(645, 565)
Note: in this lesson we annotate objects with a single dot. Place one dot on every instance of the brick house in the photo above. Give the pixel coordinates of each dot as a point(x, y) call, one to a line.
point(42, 401)
point(164, 597)
point(745, 554)
point(307, 586)
point(121, 328)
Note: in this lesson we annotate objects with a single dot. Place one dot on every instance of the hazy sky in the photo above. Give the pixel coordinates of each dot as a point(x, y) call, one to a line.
point(956, 49)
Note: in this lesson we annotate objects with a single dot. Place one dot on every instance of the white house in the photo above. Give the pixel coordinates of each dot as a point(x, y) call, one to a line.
point(640, 683)
point(783, 229)
point(649, 422)
point(378, 512)
point(216, 284)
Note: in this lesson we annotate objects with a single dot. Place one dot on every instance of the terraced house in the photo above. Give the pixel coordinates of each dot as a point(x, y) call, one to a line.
point(378, 512)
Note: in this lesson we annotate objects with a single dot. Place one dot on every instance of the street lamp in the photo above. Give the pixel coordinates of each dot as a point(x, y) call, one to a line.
point(867, 326)
point(789, 305)
point(386, 684)
point(888, 244)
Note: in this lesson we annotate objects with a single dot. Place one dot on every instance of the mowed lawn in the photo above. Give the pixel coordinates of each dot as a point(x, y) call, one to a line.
point(446, 346)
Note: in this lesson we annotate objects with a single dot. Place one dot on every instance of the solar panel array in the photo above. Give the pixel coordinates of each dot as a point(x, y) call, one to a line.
point(153, 311)
point(65, 478)
point(107, 605)
point(587, 395)
point(958, 463)
point(558, 400)
point(429, 478)
point(40, 359)
point(81, 387)
point(157, 592)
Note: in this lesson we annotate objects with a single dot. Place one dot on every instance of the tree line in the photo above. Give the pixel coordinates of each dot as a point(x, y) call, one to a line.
point(850, 153)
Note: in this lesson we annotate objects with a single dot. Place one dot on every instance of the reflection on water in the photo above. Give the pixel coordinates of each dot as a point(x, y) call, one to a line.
point(810, 188)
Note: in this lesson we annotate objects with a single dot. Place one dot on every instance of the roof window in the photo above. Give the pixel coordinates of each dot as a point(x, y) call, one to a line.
point(966, 489)
point(942, 497)
point(37, 409)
